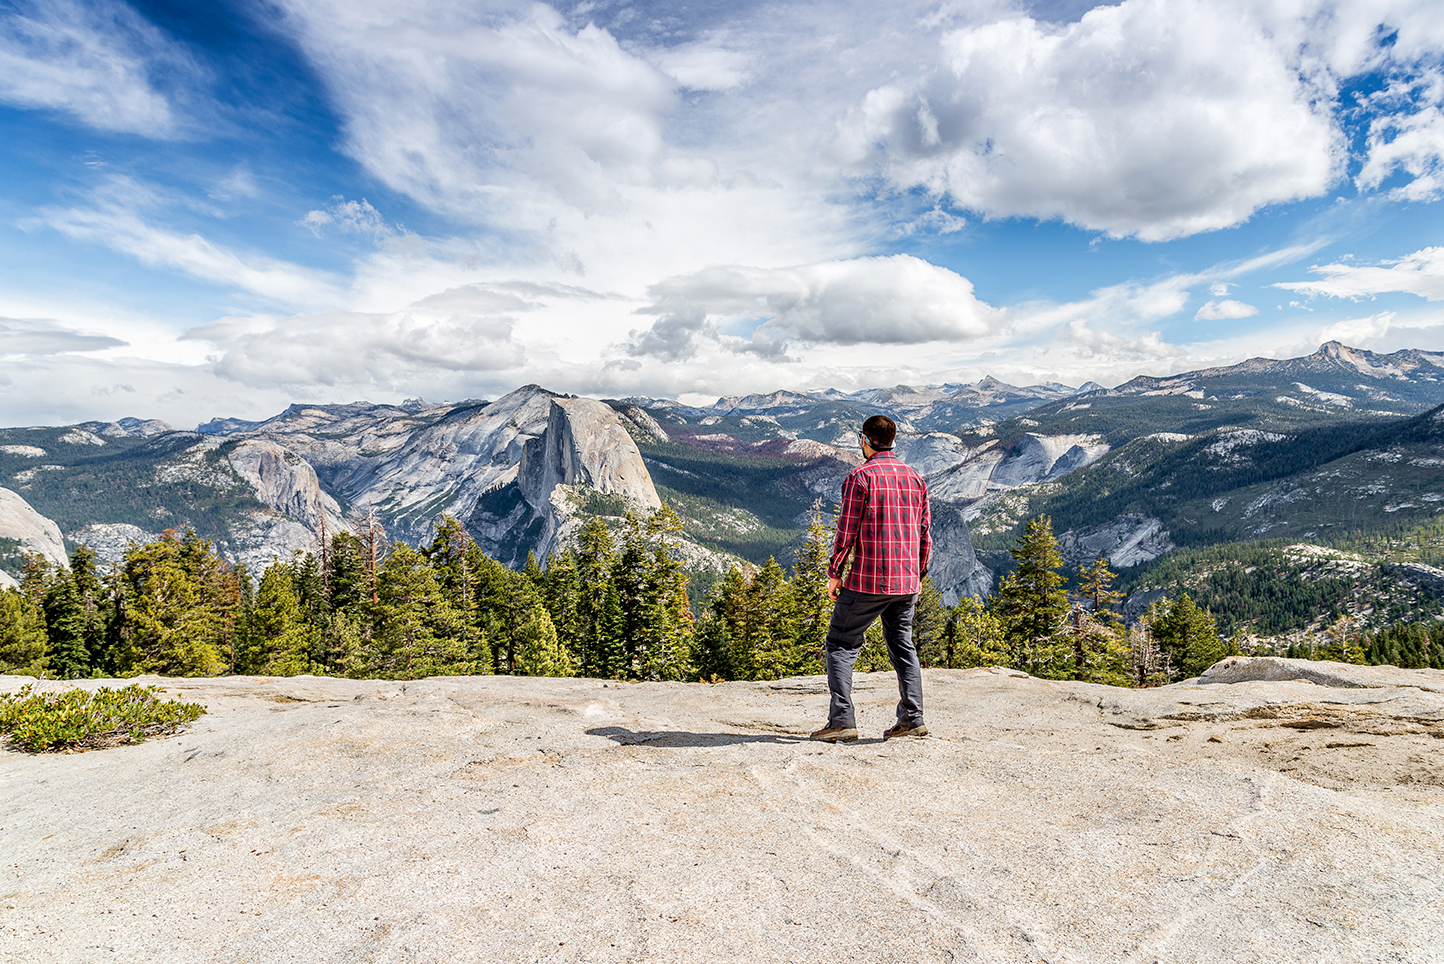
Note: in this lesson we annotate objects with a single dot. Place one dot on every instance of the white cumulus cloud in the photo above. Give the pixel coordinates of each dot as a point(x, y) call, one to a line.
point(897, 300)
point(1151, 119)
point(1219, 309)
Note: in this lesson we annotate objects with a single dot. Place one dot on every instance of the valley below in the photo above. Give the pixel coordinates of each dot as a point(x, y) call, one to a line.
point(1283, 494)
point(1277, 810)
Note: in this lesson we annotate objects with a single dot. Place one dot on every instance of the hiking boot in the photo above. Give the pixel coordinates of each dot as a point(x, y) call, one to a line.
point(906, 729)
point(836, 734)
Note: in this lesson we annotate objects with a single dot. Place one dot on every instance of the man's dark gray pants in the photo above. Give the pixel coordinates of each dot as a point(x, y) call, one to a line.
point(851, 615)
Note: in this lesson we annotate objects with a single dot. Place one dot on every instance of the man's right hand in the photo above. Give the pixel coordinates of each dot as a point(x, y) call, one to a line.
point(834, 586)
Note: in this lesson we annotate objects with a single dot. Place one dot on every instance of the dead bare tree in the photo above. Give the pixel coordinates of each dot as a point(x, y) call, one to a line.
point(374, 544)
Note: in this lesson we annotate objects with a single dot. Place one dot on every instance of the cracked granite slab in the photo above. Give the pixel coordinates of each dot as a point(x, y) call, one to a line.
point(508, 819)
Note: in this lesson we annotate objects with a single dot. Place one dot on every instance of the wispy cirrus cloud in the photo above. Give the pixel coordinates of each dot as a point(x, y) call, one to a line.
point(46, 336)
point(99, 62)
point(128, 217)
point(1420, 273)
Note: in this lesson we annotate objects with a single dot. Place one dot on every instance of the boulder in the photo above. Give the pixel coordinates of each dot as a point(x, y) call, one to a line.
point(1269, 669)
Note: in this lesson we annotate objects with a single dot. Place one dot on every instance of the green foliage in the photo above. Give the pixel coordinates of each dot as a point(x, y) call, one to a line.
point(281, 632)
point(1031, 602)
point(39, 722)
point(1096, 650)
point(126, 481)
point(1418, 645)
point(811, 607)
point(1187, 635)
point(416, 631)
point(972, 636)
point(179, 604)
point(22, 634)
point(1259, 587)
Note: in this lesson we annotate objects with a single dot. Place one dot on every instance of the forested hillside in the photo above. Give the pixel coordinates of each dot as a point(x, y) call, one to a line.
point(1227, 484)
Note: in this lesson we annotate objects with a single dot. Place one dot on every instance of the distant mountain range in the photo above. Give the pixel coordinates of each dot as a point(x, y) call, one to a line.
point(1303, 447)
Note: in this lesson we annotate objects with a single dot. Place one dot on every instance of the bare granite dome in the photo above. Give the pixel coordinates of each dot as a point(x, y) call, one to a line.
point(34, 532)
point(517, 819)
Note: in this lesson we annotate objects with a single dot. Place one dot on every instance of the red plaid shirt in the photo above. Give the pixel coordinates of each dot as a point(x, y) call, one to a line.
point(883, 519)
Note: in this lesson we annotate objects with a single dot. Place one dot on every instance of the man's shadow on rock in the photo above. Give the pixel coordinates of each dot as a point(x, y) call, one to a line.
point(626, 737)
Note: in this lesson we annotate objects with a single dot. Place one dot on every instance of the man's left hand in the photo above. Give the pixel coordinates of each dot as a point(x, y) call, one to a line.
point(834, 586)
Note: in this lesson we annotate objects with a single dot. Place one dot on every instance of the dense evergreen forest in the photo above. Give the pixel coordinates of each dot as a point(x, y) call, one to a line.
point(614, 606)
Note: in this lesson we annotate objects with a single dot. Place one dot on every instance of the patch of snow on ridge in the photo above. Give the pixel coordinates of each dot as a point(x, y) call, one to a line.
point(29, 451)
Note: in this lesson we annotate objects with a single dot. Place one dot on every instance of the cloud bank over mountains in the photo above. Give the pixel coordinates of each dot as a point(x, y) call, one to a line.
point(450, 199)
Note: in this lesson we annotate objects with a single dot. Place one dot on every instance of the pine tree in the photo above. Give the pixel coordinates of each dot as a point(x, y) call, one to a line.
point(725, 654)
point(175, 607)
point(283, 638)
point(1187, 635)
point(1100, 650)
point(95, 605)
point(662, 636)
point(347, 582)
point(65, 626)
point(930, 622)
point(973, 637)
point(560, 591)
point(629, 576)
point(771, 642)
point(1031, 603)
point(873, 657)
point(417, 633)
point(537, 650)
point(1093, 584)
point(610, 633)
point(710, 649)
point(374, 547)
point(22, 634)
point(596, 551)
point(812, 608)
point(463, 571)
point(1149, 661)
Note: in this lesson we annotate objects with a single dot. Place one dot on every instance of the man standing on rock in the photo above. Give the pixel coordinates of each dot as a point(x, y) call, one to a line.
point(883, 524)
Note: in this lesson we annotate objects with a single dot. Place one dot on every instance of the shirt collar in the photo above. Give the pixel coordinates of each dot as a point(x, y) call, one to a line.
point(884, 454)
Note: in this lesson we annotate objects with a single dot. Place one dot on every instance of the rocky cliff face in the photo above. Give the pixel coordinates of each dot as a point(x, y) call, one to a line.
point(31, 531)
point(955, 568)
point(583, 449)
point(584, 444)
point(1125, 541)
point(286, 483)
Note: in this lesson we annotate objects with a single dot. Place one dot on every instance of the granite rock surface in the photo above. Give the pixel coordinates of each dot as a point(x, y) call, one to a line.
point(502, 819)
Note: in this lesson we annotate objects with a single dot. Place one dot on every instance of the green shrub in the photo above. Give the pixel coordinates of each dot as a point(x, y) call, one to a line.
point(77, 719)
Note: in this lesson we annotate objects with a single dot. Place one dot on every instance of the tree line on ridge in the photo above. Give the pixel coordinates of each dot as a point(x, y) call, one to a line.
point(614, 606)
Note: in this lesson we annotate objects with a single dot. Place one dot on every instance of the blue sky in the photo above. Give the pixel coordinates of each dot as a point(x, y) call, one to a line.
point(219, 209)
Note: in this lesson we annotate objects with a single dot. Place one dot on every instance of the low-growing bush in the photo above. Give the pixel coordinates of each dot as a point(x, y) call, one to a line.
point(78, 719)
